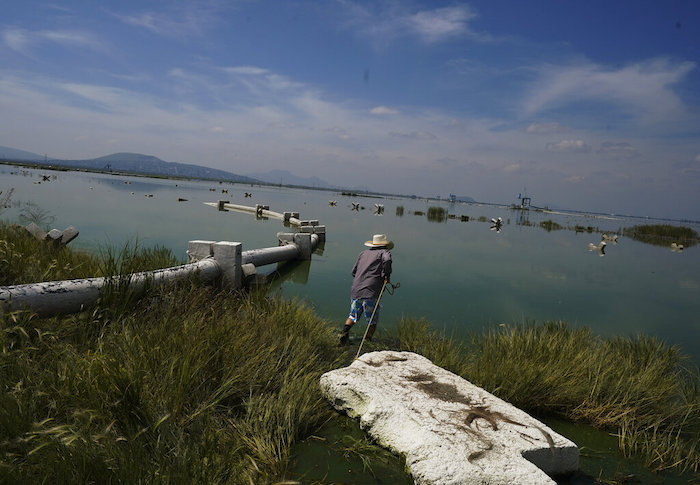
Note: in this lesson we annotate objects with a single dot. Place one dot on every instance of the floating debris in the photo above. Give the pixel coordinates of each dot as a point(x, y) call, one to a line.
point(496, 224)
point(612, 238)
point(248, 194)
point(676, 248)
point(332, 203)
point(355, 206)
point(180, 199)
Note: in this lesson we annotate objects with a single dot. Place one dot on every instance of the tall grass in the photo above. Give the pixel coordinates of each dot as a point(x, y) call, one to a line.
point(188, 384)
point(193, 385)
point(24, 259)
point(639, 387)
point(197, 384)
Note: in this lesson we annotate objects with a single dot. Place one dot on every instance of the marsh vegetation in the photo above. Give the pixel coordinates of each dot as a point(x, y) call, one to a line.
point(663, 234)
point(437, 214)
point(640, 388)
point(198, 384)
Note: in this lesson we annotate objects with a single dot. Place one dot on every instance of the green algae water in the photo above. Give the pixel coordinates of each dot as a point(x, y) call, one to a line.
point(454, 271)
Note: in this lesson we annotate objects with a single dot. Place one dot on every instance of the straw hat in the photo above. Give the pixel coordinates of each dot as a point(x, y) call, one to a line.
point(378, 241)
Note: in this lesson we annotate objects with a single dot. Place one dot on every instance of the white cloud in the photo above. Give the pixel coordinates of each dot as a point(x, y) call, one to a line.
point(259, 80)
point(17, 39)
point(384, 22)
point(22, 40)
point(546, 128)
point(644, 88)
point(383, 110)
point(415, 135)
point(578, 146)
point(177, 19)
point(441, 24)
point(246, 70)
point(617, 150)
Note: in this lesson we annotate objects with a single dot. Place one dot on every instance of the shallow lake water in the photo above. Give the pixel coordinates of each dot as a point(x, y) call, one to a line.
point(460, 275)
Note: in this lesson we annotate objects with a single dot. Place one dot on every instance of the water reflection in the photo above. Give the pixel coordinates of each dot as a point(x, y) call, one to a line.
point(455, 271)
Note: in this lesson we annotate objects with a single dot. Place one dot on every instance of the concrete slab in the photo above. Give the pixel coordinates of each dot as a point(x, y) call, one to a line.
point(450, 431)
point(69, 233)
point(36, 231)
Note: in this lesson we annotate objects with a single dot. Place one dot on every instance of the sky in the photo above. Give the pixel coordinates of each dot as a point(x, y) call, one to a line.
point(585, 105)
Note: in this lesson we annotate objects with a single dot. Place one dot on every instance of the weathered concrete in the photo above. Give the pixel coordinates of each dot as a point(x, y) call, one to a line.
point(450, 431)
point(264, 256)
point(259, 210)
point(69, 233)
point(61, 297)
point(229, 257)
point(36, 231)
point(54, 235)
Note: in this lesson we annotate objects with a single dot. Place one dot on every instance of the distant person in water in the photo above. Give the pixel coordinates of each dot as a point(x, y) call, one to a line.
point(371, 272)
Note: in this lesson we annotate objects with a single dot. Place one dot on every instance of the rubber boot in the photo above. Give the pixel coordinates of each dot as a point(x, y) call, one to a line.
point(345, 335)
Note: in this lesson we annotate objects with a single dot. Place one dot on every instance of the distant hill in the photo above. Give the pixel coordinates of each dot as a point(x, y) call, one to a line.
point(7, 153)
point(286, 178)
point(147, 164)
point(150, 165)
point(130, 162)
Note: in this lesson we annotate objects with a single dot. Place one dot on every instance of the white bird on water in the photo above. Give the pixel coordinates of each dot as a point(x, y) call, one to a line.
point(675, 247)
point(600, 247)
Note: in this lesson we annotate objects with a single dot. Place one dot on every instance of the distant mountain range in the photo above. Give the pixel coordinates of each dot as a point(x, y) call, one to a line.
point(147, 164)
point(129, 162)
point(7, 153)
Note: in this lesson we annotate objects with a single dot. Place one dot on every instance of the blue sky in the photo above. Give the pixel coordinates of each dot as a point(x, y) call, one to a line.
point(590, 105)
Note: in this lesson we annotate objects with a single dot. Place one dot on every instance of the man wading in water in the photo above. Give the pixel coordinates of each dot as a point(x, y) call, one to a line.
point(370, 273)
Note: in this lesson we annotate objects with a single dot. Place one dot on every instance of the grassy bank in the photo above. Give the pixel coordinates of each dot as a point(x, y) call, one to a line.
point(638, 387)
point(197, 384)
point(191, 384)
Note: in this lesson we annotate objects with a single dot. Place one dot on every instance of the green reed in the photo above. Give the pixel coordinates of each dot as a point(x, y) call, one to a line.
point(187, 384)
point(192, 385)
point(639, 387)
point(437, 214)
